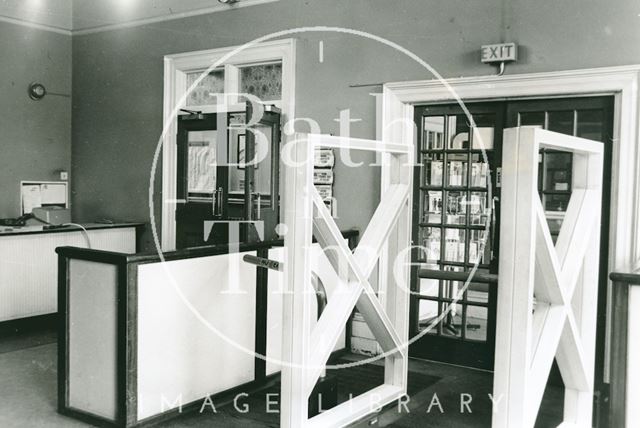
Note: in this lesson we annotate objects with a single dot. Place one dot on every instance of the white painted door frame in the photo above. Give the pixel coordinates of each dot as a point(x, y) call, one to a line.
point(176, 68)
point(397, 118)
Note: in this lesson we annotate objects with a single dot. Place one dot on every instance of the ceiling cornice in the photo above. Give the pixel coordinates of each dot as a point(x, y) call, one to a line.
point(218, 7)
point(35, 25)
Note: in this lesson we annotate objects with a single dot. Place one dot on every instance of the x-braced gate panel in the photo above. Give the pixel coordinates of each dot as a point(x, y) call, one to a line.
point(306, 345)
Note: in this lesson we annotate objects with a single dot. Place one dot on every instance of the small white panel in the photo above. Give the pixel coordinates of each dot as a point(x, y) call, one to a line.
point(93, 337)
point(180, 359)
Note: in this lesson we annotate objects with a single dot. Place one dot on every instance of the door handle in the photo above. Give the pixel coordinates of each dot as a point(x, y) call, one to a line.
point(494, 201)
point(257, 200)
point(219, 198)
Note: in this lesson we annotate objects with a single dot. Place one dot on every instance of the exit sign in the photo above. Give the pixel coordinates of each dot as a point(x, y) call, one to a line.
point(499, 53)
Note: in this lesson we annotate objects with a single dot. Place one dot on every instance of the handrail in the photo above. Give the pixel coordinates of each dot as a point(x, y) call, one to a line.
point(316, 282)
point(181, 254)
point(619, 346)
point(447, 275)
point(628, 278)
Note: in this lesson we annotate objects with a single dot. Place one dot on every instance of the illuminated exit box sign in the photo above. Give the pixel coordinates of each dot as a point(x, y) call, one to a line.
point(502, 52)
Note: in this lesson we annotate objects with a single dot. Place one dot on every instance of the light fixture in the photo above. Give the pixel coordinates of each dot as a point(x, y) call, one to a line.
point(228, 1)
point(37, 91)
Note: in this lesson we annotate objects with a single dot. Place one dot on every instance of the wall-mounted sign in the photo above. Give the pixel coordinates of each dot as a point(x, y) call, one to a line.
point(502, 52)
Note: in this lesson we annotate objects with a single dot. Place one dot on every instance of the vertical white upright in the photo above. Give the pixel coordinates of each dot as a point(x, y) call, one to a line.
point(306, 348)
point(297, 300)
point(547, 299)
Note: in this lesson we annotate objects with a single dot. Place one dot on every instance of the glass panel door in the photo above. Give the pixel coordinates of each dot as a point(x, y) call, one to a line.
point(262, 170)
point(202, 179)
point(454, 232)
point(452, 202)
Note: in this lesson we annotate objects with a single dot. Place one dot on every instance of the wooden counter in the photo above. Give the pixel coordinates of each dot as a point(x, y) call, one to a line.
point(147, 337)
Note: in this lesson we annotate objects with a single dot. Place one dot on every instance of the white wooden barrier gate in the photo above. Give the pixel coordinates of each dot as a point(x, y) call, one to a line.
point(560, 321)
point(307, 347)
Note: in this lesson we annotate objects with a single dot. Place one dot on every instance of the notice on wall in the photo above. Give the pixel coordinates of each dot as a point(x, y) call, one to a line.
point(38, 194)
point(31, 198)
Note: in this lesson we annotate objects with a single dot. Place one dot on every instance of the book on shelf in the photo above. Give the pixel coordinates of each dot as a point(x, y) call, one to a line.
point(456, 173)
point(479, 174)
point(436, 173)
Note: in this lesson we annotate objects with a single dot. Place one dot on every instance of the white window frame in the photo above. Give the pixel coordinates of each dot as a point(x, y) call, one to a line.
point(176, 68)
point(397, 108)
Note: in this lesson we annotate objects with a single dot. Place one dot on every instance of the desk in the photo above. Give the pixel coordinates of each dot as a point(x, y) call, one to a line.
point(29, 264)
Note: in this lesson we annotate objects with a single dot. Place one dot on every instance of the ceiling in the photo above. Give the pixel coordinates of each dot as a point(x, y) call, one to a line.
point(82, 16)
point(56, 14)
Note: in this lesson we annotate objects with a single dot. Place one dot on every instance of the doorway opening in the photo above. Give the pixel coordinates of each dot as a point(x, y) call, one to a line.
point(457, 218)
point(228, 177)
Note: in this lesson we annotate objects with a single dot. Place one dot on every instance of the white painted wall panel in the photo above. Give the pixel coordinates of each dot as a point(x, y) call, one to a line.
point(180, 359)
point(93, 337)
point(29, 267)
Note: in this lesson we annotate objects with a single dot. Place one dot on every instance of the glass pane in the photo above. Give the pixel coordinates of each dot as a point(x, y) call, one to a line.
point(430, 242)
point(476, 323)
point(457, 170)
point(262, 161)
point(432, 170)
point(557, 171)
point(452, 322)
point(482, 135)
point(458, 136)
point(479, 246)
point(456, 208)
point(478, 292)
point(263, 81)
point(208, 88)
point(479, 171)
point(556, 202)
point(534, 118)
point(237, 141)
point(201, 171)
point(432, 209)
point(454, 250)
point(591, 124)
point(478, 209)
point(428, 312)
point(554, 220)
point(433, 138)
point(561, 121)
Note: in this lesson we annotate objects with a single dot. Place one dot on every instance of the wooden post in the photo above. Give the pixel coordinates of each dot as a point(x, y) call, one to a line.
point(297, 299)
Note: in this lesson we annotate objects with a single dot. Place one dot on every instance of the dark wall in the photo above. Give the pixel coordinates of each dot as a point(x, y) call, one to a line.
point(35, 136)
point(118, 75)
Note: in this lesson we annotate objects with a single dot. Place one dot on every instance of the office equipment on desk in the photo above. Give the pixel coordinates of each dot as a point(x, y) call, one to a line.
point(52, 215)
point(36, 194)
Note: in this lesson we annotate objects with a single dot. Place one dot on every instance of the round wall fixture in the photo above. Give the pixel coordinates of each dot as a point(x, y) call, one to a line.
point(37, 91)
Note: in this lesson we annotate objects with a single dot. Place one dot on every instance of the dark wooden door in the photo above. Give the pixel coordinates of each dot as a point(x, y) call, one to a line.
point(262, 171)
point(451, 212)
point(455, 229)
point(202, 180)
